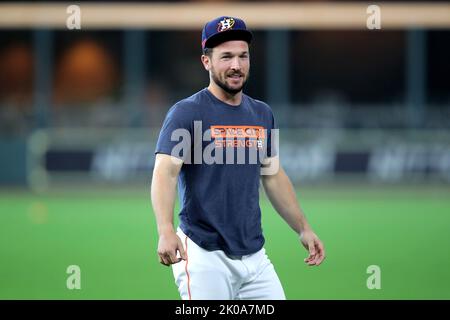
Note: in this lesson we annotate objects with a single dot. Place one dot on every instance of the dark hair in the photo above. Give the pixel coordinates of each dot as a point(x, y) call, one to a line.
point(207, 51)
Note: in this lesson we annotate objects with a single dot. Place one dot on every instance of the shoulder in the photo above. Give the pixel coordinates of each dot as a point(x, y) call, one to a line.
point(187, 107)
point(259, 106)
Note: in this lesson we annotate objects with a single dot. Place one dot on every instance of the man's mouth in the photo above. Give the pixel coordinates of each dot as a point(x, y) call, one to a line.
point(235, 76)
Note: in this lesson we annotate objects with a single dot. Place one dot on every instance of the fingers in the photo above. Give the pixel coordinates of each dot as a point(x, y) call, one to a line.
point(168, 249)
point(310, 261)
point(172, 255)
point(163, 259)
point(168, 258)
point(181, 250)
point(321, 253)
point(312, 252)
point(173, 258)
point(309, 258)
point(316, 253)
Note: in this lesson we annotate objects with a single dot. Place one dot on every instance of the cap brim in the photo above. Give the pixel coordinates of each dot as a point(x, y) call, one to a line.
point(228, 35)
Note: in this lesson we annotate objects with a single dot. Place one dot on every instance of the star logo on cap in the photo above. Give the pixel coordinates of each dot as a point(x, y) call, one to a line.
point(225, 24)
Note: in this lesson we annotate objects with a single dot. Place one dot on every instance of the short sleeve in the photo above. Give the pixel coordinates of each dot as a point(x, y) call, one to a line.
point(176, 132)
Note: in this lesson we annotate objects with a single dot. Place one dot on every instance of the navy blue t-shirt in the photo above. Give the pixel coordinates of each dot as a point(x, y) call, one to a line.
point(219, 180)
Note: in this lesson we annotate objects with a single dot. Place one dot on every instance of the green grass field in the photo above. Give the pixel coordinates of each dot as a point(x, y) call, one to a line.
point(112, 237)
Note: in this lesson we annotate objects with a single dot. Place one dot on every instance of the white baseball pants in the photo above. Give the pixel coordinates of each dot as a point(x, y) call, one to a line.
point(213, 275)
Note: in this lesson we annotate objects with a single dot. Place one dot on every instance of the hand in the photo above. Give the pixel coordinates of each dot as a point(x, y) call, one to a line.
point(315, 247)
point(169, 244)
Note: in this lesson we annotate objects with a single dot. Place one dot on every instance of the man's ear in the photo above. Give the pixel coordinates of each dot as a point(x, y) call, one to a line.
point(206, 61)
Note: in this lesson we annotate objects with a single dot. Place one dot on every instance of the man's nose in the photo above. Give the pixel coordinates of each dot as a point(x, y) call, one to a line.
point(235, 64)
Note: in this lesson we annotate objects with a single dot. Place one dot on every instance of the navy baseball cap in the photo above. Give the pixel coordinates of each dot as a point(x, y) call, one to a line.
point(224, 29)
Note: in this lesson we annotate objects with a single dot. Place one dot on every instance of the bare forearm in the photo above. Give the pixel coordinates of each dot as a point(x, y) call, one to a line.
point(282, 195)
point(163, 194)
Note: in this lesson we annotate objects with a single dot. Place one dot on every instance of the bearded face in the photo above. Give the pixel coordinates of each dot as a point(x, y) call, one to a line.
point(230, 65)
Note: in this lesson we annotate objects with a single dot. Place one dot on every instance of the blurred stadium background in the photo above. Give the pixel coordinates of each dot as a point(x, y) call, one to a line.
point(365, 137)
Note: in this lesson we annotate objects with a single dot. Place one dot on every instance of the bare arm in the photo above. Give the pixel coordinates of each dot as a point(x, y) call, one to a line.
point(281, 194)
point(163, 194)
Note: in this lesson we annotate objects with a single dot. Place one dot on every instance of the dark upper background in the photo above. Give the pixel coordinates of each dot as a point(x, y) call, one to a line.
point(356, 73)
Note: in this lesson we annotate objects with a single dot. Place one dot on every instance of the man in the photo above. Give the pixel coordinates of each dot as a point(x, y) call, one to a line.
point(218, 250)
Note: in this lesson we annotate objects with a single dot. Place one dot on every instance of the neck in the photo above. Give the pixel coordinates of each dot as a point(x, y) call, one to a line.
point(219, 93)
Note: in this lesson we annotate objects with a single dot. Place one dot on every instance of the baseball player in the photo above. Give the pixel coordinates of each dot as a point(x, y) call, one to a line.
point(217, 252)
